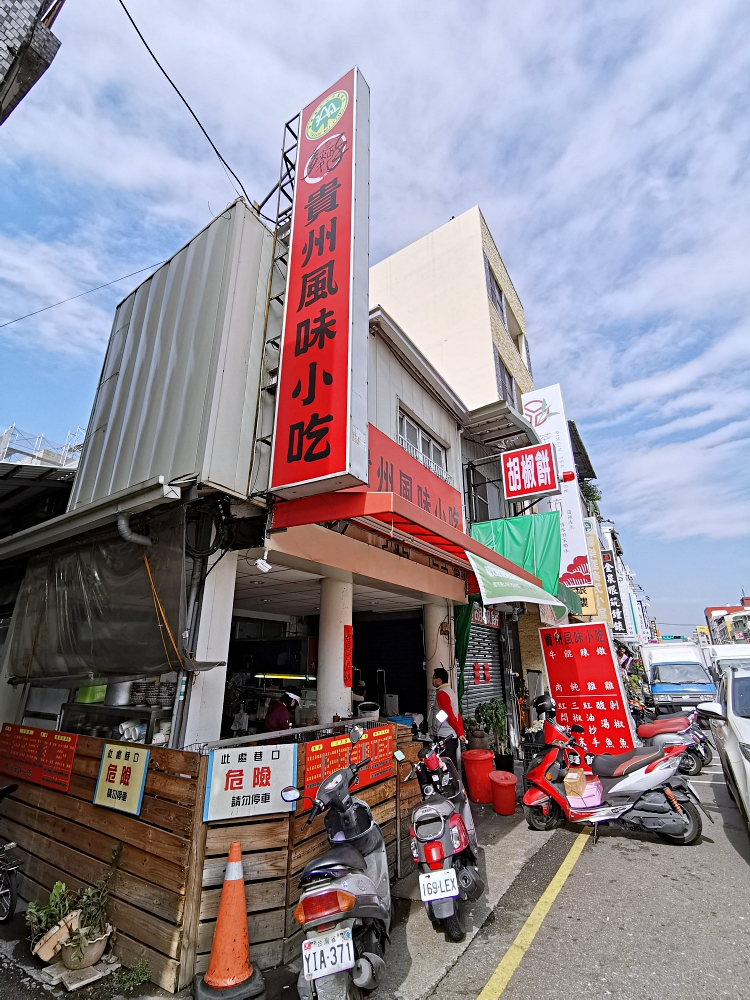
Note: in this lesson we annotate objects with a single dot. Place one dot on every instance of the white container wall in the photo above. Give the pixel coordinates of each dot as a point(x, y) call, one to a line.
point(178, 393)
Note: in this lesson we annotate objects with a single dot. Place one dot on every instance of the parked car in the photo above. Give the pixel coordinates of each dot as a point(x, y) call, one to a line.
point(730, 724)
point(718, 658)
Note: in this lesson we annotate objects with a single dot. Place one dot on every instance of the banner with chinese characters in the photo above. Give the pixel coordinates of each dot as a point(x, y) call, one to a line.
point(320, 435)
point(247, 781)
point(585, 681)
point(122, 777)
point(597, 571)
point(324, 757)
point(393, 470)
point(530, 472)
point(544, 410)
point(40, 756)
point(617, 612)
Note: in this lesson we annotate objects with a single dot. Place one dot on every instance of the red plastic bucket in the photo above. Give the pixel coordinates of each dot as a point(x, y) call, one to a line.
point(478, 764)
point(503, 792)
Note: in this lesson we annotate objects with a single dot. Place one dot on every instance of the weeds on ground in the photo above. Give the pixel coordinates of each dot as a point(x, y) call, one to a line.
point(126, 980)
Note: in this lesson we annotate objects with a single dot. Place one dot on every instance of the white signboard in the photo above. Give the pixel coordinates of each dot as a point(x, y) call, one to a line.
point(544, 410)
point(247, 781)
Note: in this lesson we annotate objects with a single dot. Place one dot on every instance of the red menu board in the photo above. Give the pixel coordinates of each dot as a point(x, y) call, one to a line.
point(585, 681)
point(331, 754)
point(40, 756)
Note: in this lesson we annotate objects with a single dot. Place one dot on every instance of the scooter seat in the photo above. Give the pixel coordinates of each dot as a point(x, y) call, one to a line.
point(340, 856)
point(675, 724)
point(617, 765)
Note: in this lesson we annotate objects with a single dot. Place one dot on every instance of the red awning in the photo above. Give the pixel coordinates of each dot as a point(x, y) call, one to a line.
point(393, 512)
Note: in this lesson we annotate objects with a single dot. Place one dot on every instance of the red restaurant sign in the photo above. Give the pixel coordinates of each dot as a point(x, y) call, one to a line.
point(41, 756)
point(585, 681)
point(335, 752)
point(320, 436)
point(530, 472)
point(393, 470)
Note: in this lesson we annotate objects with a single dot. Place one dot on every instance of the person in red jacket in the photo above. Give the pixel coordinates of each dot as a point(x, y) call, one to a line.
point(451, 730)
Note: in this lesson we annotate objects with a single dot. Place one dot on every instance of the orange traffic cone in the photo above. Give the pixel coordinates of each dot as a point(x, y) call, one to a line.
point(230, 974)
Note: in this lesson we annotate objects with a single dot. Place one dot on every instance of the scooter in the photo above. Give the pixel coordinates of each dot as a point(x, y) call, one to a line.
point(345, 906)
point(666, 730)
point(642, 790)
point(8, 868)
point(444, 841)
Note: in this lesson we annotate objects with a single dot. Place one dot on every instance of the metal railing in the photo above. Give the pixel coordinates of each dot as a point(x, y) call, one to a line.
point(425, 461)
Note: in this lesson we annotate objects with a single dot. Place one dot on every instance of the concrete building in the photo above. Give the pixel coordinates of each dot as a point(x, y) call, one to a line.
point(452, 292)
point(27, 47)
point(718, 620)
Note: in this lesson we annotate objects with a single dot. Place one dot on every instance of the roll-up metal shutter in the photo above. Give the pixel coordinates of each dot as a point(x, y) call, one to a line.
point(483, 675)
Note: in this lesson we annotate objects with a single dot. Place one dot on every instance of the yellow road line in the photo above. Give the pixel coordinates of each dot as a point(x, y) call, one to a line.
point(512, 957)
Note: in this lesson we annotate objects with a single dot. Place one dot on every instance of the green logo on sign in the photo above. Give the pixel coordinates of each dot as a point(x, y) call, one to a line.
point(327, 114)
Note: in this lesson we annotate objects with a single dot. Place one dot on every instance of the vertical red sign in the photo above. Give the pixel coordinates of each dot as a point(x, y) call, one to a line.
point(585, 681)
point(320, 434)
point(348, 652)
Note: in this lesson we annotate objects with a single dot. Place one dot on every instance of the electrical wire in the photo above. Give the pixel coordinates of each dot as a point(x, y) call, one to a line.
point(88, 291)
point(177, 91)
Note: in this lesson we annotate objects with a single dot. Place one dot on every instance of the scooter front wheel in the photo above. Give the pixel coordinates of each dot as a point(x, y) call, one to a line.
point(691, 763)
point(538, 821)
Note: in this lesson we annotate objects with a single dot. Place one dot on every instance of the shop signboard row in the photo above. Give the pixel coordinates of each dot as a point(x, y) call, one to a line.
point(585, 681)
point(617, 611)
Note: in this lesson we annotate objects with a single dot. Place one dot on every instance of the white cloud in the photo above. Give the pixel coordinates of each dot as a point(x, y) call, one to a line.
point(606, 145)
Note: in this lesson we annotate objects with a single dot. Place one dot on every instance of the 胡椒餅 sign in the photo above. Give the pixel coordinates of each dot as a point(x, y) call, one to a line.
point(530, 472)
point(248, 781)
point(320, 432)
point(585, 681)
point(544, 410)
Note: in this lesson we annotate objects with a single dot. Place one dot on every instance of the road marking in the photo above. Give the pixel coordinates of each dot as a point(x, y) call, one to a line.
point(701, 781)
point(512, 957)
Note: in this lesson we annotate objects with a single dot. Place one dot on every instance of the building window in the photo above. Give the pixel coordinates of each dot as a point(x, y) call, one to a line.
point(479, 506)
point(496, 294)
point(422, 446)
point(506, 384)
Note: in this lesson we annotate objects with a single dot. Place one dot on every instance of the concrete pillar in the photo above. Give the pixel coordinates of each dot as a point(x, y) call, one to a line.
point(335, 612)
point(438, 647)
point(203, 723)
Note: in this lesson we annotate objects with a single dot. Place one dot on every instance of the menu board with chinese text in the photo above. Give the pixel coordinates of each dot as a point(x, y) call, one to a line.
point(324, 757)
point(585, 681)
point(41, 756)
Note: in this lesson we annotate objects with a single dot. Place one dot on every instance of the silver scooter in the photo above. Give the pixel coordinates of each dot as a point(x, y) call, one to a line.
point(345, 906)
point(444, 840)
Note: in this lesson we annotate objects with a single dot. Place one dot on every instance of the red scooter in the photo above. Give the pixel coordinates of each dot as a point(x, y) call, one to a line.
point(639, 790)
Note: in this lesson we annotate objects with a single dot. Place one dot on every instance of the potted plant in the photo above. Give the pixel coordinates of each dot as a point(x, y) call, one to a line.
point(492, 716)
point(477, 737)
point(86, 944)
point(52, 923)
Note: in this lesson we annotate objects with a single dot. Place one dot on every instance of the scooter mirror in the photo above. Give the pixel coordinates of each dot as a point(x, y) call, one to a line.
point(399, 755)
point(441, 716)
point(290, 793)
point(356, 735)
point(577, 729)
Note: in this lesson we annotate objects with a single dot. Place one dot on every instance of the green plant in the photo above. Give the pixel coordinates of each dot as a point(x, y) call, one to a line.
point(470, 723)
point(128, 979)
point(92, 902)
point(492, 717)
point(592, 495)
point(40, 919)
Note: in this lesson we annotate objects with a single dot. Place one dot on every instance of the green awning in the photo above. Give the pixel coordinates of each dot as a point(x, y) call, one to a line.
point(570, 599)
point(499, 586)
point(531, 542)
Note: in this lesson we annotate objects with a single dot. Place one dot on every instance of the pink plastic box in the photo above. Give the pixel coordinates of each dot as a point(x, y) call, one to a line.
point(591, 797)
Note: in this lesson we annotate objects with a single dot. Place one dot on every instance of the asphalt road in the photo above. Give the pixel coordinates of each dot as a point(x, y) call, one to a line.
point(636, 918)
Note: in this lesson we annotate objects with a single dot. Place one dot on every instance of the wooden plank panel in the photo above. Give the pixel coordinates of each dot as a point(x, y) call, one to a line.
point(154, 812)
point(164, 971)
point(166, 786)
point(269, 864)
point(193, 884)
point(306, 851)
point(254, 836)
point(160, 902)
point(266, 955)
point(161, 758)
point(149, 867)
point(385, 811)
point(119, 826)
point(141, 926)
point(292, 947)
point(260, 927)
point(258, 896)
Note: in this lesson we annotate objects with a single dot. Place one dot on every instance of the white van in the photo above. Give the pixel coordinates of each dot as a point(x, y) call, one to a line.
point(733, 654)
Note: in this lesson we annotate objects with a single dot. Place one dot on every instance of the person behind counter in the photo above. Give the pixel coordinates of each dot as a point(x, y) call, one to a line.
point(280, 714)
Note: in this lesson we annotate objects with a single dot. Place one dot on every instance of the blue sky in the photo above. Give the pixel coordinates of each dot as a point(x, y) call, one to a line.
point(607, 145)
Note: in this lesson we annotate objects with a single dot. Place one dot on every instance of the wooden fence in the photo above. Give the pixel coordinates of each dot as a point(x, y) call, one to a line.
point(165, 893)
